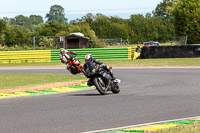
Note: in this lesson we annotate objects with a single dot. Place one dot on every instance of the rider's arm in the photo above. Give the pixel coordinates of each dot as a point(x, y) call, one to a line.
point(97, 62)
point(85, 67)
point(62, 59)
point(71, 53)
point(101, 64)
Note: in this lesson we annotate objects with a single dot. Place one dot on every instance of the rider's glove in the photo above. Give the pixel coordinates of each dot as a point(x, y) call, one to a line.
point(93, 71)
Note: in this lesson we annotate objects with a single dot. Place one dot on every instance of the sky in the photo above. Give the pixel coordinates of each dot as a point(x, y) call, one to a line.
point(77, 8)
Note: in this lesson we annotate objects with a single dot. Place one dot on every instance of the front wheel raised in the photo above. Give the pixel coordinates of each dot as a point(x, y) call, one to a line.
point(100, 85)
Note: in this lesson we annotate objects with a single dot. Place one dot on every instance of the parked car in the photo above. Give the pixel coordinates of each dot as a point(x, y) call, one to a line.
point(147, 44)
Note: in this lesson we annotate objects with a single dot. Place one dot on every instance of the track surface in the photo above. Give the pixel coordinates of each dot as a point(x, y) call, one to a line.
point(147, 95)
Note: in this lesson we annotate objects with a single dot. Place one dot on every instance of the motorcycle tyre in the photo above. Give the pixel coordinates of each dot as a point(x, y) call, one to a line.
point(115, 89)
point(99, 89)
point(72, 72)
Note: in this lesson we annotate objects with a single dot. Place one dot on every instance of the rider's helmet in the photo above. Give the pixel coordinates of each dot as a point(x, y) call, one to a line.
point(88, 58)
point(62, 51)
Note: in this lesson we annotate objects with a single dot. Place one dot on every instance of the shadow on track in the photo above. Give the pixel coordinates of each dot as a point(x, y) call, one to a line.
point(91, 94)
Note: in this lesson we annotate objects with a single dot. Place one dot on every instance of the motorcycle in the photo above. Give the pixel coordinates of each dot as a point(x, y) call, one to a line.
point(74, 65)
point(102, 79)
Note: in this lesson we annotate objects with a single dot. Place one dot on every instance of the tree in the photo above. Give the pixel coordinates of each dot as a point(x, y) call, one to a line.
point(108, 28)
point(88, 32)
point(2, 25)
point(137, 28)
point(100, 26)
point(36, 19)
point(51, 29)
point(162, 12)
point(186, 19)
point(118, 20)
point(2, 30)
point(149, 29)
point(21, 20)
point(17, 35)
point(85, 29)
point(56, 14)
point(88, 18)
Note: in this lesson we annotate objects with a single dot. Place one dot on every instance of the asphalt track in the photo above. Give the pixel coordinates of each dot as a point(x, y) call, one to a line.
point(147, 95)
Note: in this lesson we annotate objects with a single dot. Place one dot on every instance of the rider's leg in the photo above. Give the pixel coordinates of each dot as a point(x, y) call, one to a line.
point(68, 68)
point(112, 75)
point(89, 82)
point(110, 70)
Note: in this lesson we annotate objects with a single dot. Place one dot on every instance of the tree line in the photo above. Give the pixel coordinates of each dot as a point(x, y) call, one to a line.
point(170, 18)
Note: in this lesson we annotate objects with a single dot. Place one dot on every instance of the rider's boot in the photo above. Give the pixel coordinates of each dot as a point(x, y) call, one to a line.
point(112, 76)
point(89, 83)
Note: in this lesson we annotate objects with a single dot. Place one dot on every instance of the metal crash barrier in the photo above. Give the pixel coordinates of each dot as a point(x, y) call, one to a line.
point(53, 55)
point(97, 53)
point(25, 56)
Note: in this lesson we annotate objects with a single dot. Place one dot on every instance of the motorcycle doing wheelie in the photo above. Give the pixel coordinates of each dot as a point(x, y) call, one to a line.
point(102, 79)
point(74, 65)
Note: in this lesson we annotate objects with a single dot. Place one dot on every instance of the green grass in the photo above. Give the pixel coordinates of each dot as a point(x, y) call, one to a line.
point(15, 80)
point(156, 62)
point(194, 128)
point(126, 62)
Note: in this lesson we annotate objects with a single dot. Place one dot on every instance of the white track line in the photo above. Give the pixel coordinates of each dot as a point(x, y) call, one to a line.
point(103, 130)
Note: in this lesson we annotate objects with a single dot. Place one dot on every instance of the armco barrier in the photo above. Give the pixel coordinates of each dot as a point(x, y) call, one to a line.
point(98, 53)
point(131, 51)
point(25, 56)
point(53, 55)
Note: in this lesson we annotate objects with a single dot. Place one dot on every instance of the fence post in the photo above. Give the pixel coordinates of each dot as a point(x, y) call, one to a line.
point(33, 42)
point(64, 42)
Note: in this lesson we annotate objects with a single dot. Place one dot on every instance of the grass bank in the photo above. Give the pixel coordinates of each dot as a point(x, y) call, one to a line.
point(14, 80)
point(194, 128)
point(126, 62)
point(156, 62)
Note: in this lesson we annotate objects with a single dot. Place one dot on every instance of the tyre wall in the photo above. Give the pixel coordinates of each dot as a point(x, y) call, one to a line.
point(178, 51)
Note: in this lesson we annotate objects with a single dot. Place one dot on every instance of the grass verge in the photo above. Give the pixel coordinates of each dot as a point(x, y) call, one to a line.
point(125, 62)
point(194, 128)
point(156, 62)
point(14, 80)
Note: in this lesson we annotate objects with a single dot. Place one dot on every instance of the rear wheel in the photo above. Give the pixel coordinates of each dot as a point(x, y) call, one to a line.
point(72, 70)
point(100, 85)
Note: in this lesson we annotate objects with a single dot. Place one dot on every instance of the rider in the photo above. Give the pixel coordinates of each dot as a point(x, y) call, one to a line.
point(89, 59)
point(64, 56)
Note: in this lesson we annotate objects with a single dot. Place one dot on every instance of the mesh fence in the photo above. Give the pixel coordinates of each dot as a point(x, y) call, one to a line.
point(108, 42)
point(182, 40)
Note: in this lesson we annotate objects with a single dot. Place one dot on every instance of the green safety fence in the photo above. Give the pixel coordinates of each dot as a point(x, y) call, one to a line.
point(97, 53)
point(53, 55)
